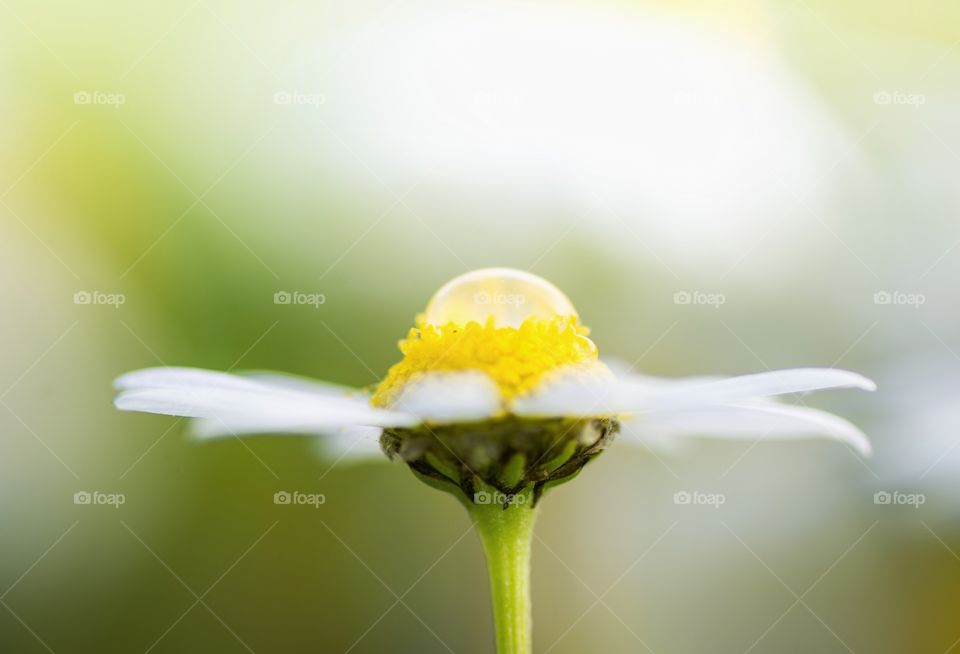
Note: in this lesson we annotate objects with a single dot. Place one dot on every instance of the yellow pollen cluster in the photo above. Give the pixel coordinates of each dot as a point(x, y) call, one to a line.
point(514, 358)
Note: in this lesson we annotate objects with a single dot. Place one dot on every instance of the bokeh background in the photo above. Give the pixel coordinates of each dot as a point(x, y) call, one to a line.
point(720, 188)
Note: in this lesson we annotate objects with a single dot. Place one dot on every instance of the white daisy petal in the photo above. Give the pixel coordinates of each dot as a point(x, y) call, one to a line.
point(258, 408)
point(780, 382)
point(451, 397)
point(623, 369)
point(761, 421)
point(230, 404)
point(226, 427)
point(338, 445)
point(352, 445)
point(173, 377)
point(591, 395)
point(577, 390)
point(650, 439)
point(572, 395)
point(305, 384)
point(184, 379)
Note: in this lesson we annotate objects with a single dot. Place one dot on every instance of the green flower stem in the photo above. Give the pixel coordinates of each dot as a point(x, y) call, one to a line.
point(507, 535)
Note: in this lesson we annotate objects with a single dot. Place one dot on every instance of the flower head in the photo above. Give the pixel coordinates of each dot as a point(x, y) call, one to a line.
point(512, 326)
point(499, 385)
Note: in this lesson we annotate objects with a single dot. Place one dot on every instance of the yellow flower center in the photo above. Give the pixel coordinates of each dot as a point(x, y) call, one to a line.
point(511, 325)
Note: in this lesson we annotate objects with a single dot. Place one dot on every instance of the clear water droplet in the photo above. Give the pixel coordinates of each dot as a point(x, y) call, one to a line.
point(507, 295)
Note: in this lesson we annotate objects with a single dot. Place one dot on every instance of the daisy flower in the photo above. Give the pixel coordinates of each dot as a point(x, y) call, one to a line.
point(500, 395)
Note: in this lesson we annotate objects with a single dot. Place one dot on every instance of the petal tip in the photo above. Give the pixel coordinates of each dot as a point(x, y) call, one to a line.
point(122, 403)
point(852, 379)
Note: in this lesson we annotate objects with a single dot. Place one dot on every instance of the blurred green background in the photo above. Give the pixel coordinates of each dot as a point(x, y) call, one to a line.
point(796, 159)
